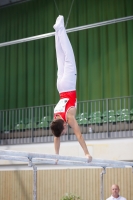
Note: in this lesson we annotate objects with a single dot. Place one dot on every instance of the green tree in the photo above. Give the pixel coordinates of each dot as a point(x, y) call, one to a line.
point(70, 197)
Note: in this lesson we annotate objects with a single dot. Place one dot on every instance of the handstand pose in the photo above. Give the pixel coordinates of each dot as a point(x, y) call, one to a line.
point(65, 110)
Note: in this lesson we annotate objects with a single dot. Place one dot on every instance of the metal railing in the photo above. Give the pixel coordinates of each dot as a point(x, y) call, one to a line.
point(98, 119)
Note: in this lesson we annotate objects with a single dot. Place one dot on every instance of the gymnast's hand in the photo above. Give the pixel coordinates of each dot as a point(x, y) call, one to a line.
point(89, 157)
point(56, 162)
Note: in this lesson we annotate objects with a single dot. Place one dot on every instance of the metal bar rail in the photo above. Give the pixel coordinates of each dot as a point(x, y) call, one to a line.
point(38, 158)
point(97, 119)
point(68, 31)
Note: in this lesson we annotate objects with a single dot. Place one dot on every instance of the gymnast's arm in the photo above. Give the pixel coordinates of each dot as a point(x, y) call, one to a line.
point(74, 125)
point(57, 144)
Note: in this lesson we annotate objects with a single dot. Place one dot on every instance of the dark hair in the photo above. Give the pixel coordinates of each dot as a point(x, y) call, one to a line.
point(57, 127)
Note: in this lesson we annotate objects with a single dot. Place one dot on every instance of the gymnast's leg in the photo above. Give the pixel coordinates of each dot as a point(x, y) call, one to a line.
point(60, 59)
point(67, 73)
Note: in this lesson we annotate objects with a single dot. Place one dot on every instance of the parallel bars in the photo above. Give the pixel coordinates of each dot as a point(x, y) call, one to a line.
point(35, 158)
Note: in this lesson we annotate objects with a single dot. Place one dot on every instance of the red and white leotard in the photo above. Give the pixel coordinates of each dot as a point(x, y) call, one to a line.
point(67, 101)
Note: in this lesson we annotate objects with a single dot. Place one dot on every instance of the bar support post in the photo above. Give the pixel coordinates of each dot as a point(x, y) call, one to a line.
point(30, 164)
point(34, 182)
point(101, 184)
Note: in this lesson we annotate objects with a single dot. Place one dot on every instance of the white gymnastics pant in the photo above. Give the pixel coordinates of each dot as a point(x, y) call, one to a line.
point(67, 73)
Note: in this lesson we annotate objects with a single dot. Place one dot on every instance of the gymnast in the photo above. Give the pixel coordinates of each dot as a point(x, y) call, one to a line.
point(65, 110)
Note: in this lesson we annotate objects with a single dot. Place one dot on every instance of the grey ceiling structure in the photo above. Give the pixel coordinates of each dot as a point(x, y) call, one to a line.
point(5, 3)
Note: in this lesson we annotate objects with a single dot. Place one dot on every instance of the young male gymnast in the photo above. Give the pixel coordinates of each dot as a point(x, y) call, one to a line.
point(65, 110)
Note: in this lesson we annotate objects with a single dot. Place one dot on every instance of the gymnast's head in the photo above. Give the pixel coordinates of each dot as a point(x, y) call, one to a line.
point(58, 127)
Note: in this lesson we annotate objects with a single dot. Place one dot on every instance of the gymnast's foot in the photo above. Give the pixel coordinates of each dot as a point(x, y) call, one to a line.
point(59, 23)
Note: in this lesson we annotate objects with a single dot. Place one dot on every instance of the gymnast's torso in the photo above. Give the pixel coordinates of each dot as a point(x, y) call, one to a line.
point(68, 100)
